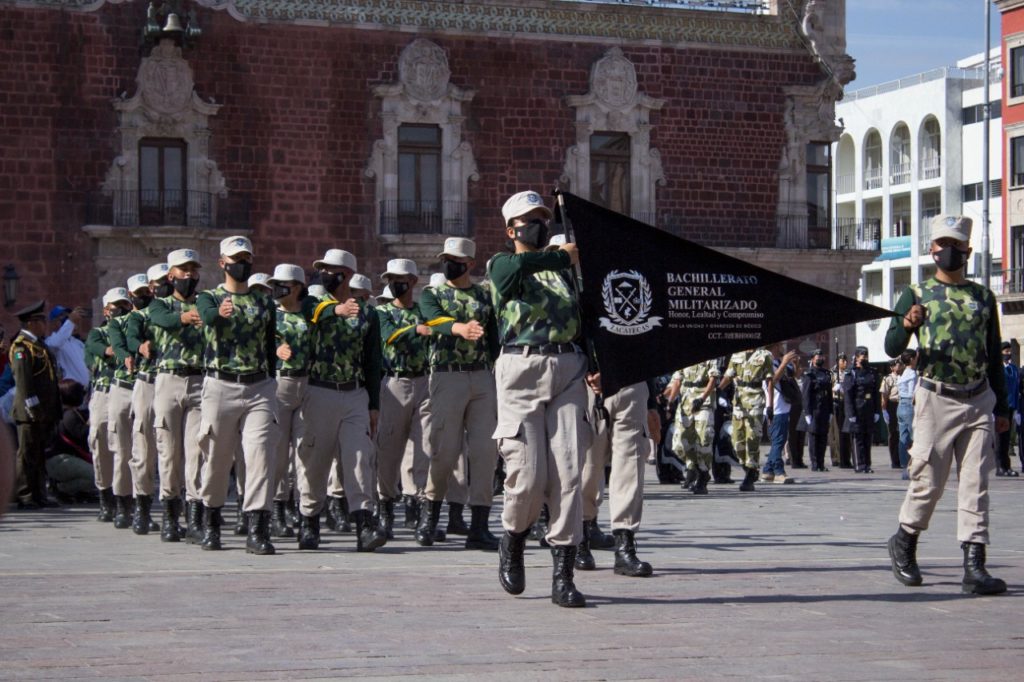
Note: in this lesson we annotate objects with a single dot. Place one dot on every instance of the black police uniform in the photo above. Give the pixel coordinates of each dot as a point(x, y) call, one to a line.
point(862, 403)
point(818, 405)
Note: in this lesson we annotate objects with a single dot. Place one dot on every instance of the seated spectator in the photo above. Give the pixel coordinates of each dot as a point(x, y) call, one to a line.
point(68, 460)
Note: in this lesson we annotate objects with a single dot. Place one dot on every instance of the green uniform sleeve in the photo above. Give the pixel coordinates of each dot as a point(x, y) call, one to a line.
point(430, 309)
point(133, 332)
point(310, 305)
point(509, 269)
point(118, 342)
point(388, 328)
point(996, 377)
point(271, 338)
point(95, 344)
point(897, 338)
point(163, 316)
point(209, 308)
point(372, 359)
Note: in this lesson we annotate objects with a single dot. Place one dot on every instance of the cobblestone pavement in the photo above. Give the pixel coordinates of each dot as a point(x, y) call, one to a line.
point(791, 582)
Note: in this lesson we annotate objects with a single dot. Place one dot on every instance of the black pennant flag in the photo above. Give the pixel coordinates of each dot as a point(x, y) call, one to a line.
point(653, 303)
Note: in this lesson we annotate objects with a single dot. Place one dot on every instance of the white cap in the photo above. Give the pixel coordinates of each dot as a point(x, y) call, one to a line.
point(337, 257)
point(956, 227)
point(139, 281)
point(398, 267)
point(232, 246)
point(157, 272)
point(437, 279)
point(259, 279)
point(385, 295)
point(316, 290)
point(360, 282)
point(115, 295)
point(286, 272)
point(459, 248)
point(521, 204)
point(556, 241)
point(181, 257)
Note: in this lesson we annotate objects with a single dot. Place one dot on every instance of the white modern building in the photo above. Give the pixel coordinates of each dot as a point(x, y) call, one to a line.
point(912, 149)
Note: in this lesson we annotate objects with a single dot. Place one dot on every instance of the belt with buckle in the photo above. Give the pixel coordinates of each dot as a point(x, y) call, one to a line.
point(456, 367)
point(121, 383)
point(749, 384)
point(335, 385)
point(181, 371)
point(400, 374)
point(956, 393)
point(101, 389)
point(694, 384)
point(146, 376)
point(542, 349)
point(251, 378)
point(297, 373)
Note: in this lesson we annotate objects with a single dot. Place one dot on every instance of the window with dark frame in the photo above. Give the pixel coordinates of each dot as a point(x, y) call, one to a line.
point(819, 188)
point(610, 170)
point(1017, 72)
point(1017, 161)
point(163, 183)
point(419, 206)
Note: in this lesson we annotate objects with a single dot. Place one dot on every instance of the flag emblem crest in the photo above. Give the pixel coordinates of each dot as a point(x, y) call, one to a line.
point(627, 299)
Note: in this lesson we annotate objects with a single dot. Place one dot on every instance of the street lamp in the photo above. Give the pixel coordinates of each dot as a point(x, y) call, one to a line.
point(10, 285)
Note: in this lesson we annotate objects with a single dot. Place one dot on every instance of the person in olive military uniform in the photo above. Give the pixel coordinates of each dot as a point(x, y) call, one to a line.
point(542, 427)
point(749, 370)
point(694, 436)
point(862, 407)
point(36, 407)
point(99, 356)
point(817, 411)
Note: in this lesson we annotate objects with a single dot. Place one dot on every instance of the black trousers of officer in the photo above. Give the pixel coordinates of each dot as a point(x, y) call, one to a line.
point(31, 463)
point(844, 439)
point(862, 447)
point(1003, 450)
point(817, 443)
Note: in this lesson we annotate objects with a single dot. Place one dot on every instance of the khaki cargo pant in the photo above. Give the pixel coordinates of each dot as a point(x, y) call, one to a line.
point(693, 438)
point(335, 424)
point(176, 415)
point(622, 441)
point(401, 419)
point(542, 433)
point(144, 457)
point(290, 393)
point(99, 440)
point(236, 414)
point(119, 426)
point(462, 412)
point(948, 429)
point(416, 467)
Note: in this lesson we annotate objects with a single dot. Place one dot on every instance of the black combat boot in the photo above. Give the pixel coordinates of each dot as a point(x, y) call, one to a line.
point(170, 530)
point(142, 522)
point(242, 519)
point(903, 552)
point(279, 527)
point(194, 515)
point(368, 535)
point(689, 479)
point(511, 571)
point(345, 518)
point(976, 579)
point(123, 513)
point(333, 508)
point(748, 480)
point(106, 514)
point(584, 557)
point(539, 530)
point(456, 524)
point(626, 561)
point(293, 509)
point(430, 514)
point(480, 536)
point(412, 511)
point(258, 541)
point(563, 591)
point(309, 531)
point(386, 511)
point(700, 486)
point(211, 528)
point(598, 538)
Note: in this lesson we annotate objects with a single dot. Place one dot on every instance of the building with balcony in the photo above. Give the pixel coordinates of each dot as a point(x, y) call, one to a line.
point(912, 149)
point(1009, 284)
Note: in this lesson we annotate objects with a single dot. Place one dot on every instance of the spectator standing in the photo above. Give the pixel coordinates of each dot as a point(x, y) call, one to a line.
point(66, 344)
point(890, 403)
point(906, 385)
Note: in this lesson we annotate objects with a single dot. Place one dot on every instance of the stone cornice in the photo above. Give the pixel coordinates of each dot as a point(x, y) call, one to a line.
point(526, 18)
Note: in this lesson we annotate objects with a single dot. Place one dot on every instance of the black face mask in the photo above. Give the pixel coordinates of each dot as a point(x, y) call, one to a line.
point(238, 271)
point(118, 311)
point(452, 270)
point(819, 363)
point(534, 233)
point(332, 281)
point(141, 302)
point(186, 287)
point(1007, 358)
point(398, 289)
point(280, 291)
point(950, 259)
point(162, 290)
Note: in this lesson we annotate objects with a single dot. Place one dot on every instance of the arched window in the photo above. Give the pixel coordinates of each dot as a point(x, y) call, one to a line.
point(931, 149)
point(873, 160)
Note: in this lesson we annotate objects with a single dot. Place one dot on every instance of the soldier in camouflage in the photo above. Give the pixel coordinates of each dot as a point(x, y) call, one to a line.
point(694, 436)
point(462, 407)
point(99, 357)
point(542, 427)
point(749, 370)
point(178, 345)
point(959, 402)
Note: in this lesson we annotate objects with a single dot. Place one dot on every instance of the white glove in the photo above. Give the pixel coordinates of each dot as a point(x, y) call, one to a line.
point(808, 419)
point(1016, 418)
point(722, 402)
point(885, 416)
point(876, 418)
point(853, 420)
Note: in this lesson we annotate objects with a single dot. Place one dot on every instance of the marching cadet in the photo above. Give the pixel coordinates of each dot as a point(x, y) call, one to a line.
point(960, 401)
point(817, 402)
point(119, 406)
point(259, 283)
point(342, 405)
point(100, 357)
point(749, 370)
point(36, 406)
point(178, 341)
point(361, 287)
point(694, 437)
point(406, 356)
point(293, 351)
point(238, 397)
point(461, 409)
point(542, 427)
point(862, 407)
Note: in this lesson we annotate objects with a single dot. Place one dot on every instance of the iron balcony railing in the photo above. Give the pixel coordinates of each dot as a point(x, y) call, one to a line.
point(1007, 282)
point(873, 178)
point(931, 169)
point(426, 217)
point(899, 174)
point(860, 236)
point(145, 208)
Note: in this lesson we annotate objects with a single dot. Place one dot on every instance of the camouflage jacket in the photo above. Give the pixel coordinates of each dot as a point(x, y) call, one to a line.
point(692, 382)
point(100, 364)
point(345, 349)
point(959, 341)
point(118, 342)
point(534, 301)
point(36, 396)
point(749, 369)
point(138, 330)
point(441, 307)
point(404, 350)
point(178, 346)
point(246, 342)
point(294, 329)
